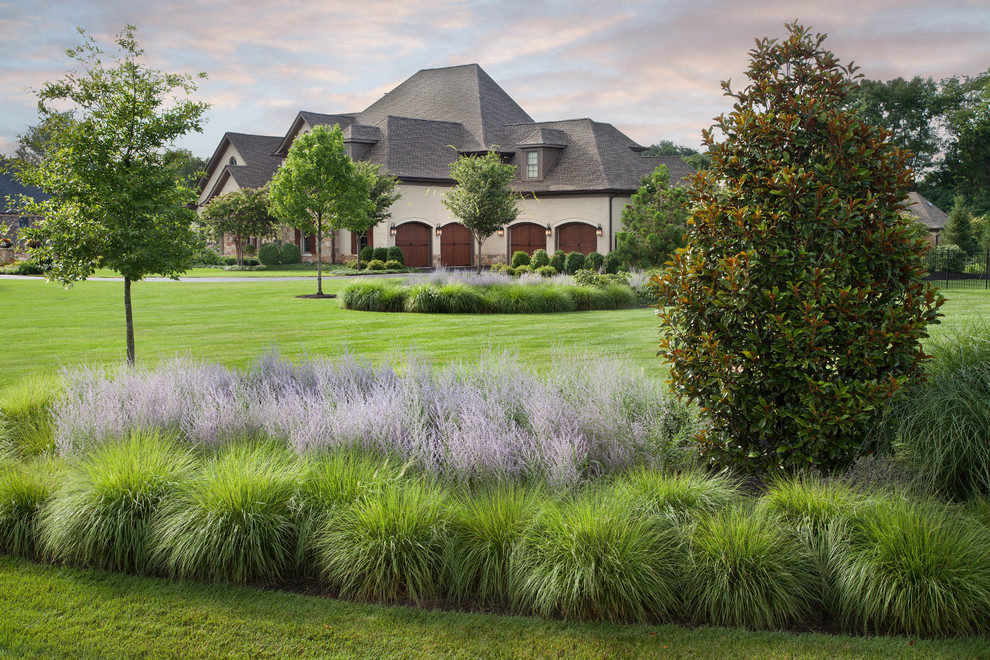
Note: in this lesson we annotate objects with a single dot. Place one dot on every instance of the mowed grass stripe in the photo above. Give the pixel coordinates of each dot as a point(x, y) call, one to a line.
point(46, 326)
point(57, 612)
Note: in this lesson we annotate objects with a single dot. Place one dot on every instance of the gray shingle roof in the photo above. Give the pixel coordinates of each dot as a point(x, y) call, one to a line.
point(930, 215)
point(461, 94)
point(9, 185)
point(259, 165)
point(413, 127)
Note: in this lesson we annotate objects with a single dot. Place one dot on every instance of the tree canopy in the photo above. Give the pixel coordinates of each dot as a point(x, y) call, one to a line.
point(382, 193)
point(319, 188)
point(799, 305)
point(242, 214)
point(655, 217)
point(945, 124)
point(692, 157)
point(482, 200)
point(116, 201)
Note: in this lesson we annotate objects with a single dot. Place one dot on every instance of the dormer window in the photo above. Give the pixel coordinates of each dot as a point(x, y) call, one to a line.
point(232, 161)
point(532, 164)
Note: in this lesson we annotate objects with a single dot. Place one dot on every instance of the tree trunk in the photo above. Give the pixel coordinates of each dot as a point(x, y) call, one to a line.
point(333, 246)
point(480, 240)
point(238, 250)
point(319, 255)
point(129, 321)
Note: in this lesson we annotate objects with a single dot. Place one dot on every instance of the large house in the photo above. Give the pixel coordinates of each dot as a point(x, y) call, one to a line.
point(575, 175)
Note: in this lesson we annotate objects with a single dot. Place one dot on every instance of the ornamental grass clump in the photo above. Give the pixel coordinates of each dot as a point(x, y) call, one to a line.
point(748, 569)
point(235, 520)
point(387, 545)
point(594, 557)
point(25, 489)
point(332, 479)
point(26, 415)
point(102, 514)
point(942, 427)
point(813, 501)
point(685, 494)
point(483, 532)
point(587, 298)
point(451, 298)
point(374, 297)
point(914, 568)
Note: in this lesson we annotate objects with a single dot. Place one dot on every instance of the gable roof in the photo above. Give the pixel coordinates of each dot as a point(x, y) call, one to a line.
point(930, 215)
point(258, 164)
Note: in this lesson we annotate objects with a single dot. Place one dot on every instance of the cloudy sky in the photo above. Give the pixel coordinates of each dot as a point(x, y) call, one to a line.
point(651, 67)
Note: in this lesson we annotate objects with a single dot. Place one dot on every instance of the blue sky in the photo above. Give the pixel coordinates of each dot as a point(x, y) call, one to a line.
point(651, 67)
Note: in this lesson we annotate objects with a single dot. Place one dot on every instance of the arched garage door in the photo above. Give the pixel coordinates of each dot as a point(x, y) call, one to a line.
point(527, 237)
point(414, 240)
point(577, 237)
point(456, 245)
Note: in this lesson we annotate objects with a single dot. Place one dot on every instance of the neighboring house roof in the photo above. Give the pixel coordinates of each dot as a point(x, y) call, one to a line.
point(10, 186)
point(930, 215)
point(258, 164)
point(422, 126)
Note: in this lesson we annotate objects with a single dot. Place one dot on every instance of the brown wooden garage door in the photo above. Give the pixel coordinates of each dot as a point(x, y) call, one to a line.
point(527, 237)
point(414, 240)
point(456, 245)
point(577, 237)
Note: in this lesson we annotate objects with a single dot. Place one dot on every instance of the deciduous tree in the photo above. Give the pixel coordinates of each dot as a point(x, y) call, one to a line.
point(383, 194)
point(482, 199)
point(116, 202)
point(242, 214)
point(318, 188)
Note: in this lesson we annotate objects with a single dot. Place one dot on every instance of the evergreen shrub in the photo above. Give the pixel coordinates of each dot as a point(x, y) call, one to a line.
point(573, 263)
point(270, 254)
point(799, 306)
point(395, 254)
point(290, 254)
point(520, 258)
point(540, 259)
point(594, 261)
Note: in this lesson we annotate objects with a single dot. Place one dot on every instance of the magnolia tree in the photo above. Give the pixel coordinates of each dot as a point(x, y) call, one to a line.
point(799, 305)
point(482, 199)
point(116, 200)
point(242, 214)
point(318, 188)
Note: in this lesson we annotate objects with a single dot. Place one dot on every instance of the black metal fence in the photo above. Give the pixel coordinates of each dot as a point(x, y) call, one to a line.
point(951, 268)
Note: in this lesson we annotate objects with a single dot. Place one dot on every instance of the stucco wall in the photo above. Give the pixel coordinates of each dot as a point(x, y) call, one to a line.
point(230, 151)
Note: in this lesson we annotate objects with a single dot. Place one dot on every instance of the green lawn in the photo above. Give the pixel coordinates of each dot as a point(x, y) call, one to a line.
point(58, 612)
point(53, 612)
point(46, 326)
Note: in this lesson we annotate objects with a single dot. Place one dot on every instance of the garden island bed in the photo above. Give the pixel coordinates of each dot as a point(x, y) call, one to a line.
point(449, 292)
